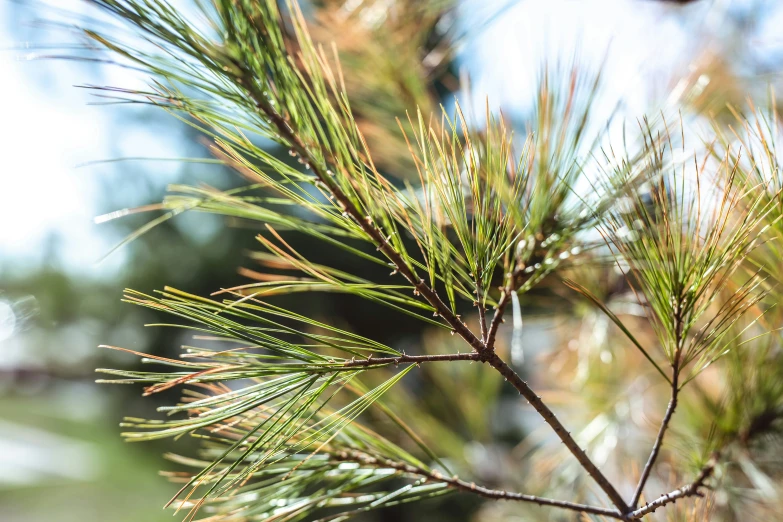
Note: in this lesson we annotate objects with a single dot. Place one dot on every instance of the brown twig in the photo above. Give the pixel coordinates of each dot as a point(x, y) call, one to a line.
point(656, 449)
point(550, 418)
point(667, 417)
point(500, 309)
point(689, 490)
point(470, 487)
point(505, 297)
point(410, 359)
point(482, 311)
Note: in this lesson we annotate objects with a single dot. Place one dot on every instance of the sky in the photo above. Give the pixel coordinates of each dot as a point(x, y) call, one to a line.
point(47, 132)
point(47, 196)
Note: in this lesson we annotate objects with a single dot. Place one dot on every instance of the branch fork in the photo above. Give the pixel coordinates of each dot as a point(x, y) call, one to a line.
point(484, 351)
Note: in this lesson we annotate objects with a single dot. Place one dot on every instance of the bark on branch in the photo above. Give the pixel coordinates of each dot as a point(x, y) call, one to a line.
point(565, 436)
point(656, 449)
point(470, 487)
point(410, 359)
point(690, 490)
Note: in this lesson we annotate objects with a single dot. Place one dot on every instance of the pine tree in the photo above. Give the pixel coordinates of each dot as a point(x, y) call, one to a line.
point(278, 400)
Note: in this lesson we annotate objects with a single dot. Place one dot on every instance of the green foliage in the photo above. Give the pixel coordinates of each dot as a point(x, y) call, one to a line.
point(280, 401)
point(685, 236)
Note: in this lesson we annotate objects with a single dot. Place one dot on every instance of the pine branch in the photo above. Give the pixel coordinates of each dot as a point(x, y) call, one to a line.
point(484, 349)
point(409, 359)
point(367, 225)
point(549, 417)
point(470, 487)
point(467, 215)
point(497, 318)
point(658, 439)
point(690, 490)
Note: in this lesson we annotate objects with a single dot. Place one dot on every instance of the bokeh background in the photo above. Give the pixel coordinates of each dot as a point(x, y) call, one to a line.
point(67, 157)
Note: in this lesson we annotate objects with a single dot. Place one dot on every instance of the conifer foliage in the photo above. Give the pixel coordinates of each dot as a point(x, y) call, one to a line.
point(277, 400)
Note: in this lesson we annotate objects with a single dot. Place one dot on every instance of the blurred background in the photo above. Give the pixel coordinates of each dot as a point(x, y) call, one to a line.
point(67, 158)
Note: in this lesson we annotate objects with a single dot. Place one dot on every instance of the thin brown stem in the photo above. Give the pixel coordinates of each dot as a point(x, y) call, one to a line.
point(549, 417)
point(482, 311)
point(410, 359)
point(667, 417)
point(470, 487)
point(505, 297)
point(500, 309)
point(656, 449)
point(689, 490)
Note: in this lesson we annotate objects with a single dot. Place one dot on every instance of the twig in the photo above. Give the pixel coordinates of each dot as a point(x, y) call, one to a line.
point(482, 311)
point(549, 417)
point(411, 359)
point(689, 490)
point(470, 487)
point(505, 297)
point(500, 309)
point(656, 449)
